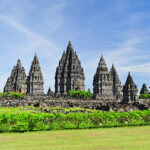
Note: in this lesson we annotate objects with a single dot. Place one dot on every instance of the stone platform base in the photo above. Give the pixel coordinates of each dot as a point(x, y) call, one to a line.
point(46, 101)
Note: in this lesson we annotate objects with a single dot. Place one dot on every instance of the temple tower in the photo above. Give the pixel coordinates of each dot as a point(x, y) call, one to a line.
point(69, 73)
point(49, 92)
point(102, 82)
point(129, 90)
point(144, 89)
point(117, 87)
point(17, 79)
point(35, 78)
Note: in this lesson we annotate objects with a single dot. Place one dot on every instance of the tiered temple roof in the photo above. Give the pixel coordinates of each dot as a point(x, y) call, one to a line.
point(35, 78)
point(17, 79)
point(117, 87)
point(70, 76)
point(129, 90)
point(144, 89)
point(49, 92)
point(69, 73)
point(102, 82)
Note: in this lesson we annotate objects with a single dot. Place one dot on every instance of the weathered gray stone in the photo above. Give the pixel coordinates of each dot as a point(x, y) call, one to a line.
point(50, 93)
point(129, 90)
point(17, 79)
point(102, 82)
point(144, 89)
point(46, 101)
point(35, 78)
point(69, 73)
point(117, 87)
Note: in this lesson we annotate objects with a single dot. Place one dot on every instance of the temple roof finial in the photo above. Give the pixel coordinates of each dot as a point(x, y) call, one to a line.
point(19, 62)
point(70, 46)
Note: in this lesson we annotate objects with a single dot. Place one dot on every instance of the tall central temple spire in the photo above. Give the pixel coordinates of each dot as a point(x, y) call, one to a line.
point(35, 78)
point(69, 73)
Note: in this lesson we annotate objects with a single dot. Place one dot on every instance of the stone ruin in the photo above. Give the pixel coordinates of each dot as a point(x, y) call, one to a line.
point(102, 82)
point(69, 73)
point(35, 78)
point(17, 79)
point(107, 88)
point(31, 84)
point(144, 89)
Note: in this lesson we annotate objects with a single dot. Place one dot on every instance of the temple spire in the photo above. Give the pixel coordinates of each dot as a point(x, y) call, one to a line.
point(35, 60)
point(50, 93)
point(117, 87)
point(35, 78)
point(19, 63)
point(102, 83)
point(70, 47)
point(17, 79)
point(69, 73)
point(144, 89)
point(129, 90)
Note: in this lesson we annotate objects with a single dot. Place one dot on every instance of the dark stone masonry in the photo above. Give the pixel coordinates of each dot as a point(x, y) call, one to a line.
point(129, 90)
point(102, 82)
point(69, 73)
point(108, 93)
point(35, 78)
point(17, 79)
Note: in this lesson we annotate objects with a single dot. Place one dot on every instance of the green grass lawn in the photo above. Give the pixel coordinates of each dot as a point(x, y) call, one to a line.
point(125, 138)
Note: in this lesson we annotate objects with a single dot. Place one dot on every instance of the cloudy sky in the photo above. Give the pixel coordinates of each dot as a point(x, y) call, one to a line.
point(118, 29)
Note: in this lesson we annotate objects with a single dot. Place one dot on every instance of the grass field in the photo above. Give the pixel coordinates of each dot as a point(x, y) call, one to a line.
point(125, 138)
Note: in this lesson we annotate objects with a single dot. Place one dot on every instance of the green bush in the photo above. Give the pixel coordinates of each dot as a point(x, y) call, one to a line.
point(81, 94)
point(26, 121)
point(16, 95)
point(144, 96)
point(4, 95)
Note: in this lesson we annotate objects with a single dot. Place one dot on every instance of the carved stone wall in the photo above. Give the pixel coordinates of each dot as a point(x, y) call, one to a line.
point(69, 73)
point(102, 82)
point(129, 90)
point(35, 78)
point(117, 87)
point(17, 79)
point(48, 101)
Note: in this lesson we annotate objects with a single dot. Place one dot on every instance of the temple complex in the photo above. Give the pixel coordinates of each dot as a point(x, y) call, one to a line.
point(70, 76)
point(129, 90)
point(102, 82)
point(17, 79)
point(116, 87)
point(69, 73)
point(35, 78)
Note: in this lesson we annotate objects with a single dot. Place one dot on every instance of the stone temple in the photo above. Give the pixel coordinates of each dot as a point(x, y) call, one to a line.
point(102, 82)
point(129, 90)
point(144, 89)
point(117, 87)
point(17, 79)
point(70, 76)
point(35, 78)
point(69, 73)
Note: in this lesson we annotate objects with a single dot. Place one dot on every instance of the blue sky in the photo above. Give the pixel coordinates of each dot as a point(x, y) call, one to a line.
point(118, 29)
